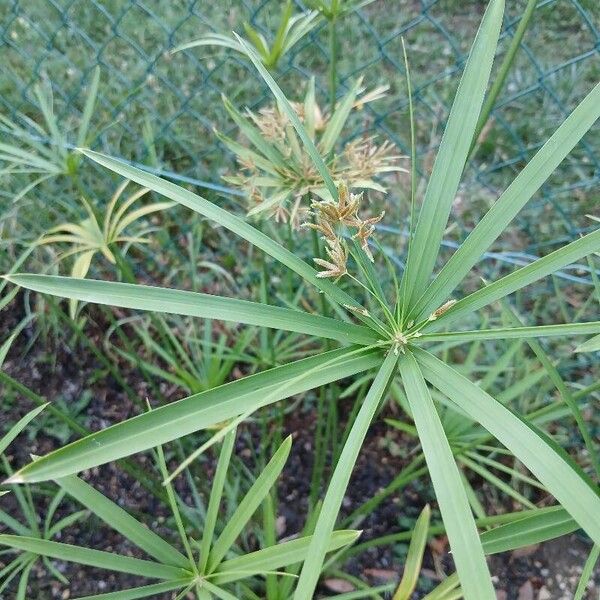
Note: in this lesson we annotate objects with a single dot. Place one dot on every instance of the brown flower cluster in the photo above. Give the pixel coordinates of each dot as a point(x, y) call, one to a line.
point(277, 173)
point(329, 216)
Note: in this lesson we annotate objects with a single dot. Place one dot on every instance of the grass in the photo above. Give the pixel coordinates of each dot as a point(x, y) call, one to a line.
point(145, 81)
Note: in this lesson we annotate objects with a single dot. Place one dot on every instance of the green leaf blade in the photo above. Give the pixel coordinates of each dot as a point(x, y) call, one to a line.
point(193, 304)
point(196, 412)
point(249, 504)
point(534, 528)
point(508, 205)
point(225, 219)
point(453, 153)
point(414, 557)
point(311, 568)
point(276, 557)
point(145, 591)
point(16, 429)
point(119, 520)
point(510, 333)
point(292, 116)
point(561, 477)
point(454, 505)
point(93, 558)
point(520, 278)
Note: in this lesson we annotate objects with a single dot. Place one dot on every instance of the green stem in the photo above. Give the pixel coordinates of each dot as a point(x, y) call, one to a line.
point(565, 393)
point(332, 63)
point(320, 450)
point(503, 71)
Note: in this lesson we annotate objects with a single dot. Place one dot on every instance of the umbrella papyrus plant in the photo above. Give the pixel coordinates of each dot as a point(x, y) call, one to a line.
point(394, 342)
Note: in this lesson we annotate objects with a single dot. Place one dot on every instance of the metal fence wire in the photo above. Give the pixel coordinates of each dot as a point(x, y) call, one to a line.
point(160, 108)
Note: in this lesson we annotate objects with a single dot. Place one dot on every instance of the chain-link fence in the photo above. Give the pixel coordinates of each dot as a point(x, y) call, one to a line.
point(160, 108)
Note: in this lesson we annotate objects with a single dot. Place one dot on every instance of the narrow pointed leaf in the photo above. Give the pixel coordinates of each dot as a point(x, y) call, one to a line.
point(214, 503)
point(591, 345)
point(504, 210)
point(147, 591)
point(5, 348)
point(561, 477)
point(467, 551)
point(588, 571)
point(225, 219)
point(193, 304)
point(414, 557)
point(508, 333)
point(309, 146)
point(276, 557)
point(93, 558)
point(196, 412)
point(520, 278)
point(338, 120)
point(311, 569)
point(119, 520)
point(453, 153)
point(88, 109)
point(534, 528)
point(249, 504)
point(19, 426)
point(264, 146)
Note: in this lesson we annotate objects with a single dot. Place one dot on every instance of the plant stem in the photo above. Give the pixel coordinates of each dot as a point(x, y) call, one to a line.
point(332, 62)
point(503, 71)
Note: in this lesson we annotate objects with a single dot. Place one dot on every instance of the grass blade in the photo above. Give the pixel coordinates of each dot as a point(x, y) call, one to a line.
point(449, 490)
point(535, 528)
point(338, 120)
point(93, 558)
point(508, 205)
point(194, 304)
point(401, 300)
point(453, 153)
point(250, 503)
point(504, 69)
point(276, 557)
point(140, 592)
point(520, 278)
point(16, 429)
point(414, 558)
point(509, 333)
point(588, 570)
point(311, 569)
point(561, 477)
point(88, 109)
point(117, 518)
point(292, 116)
point(591, 345)
point(216, 493)
point(264, 146)
point(225, 219)
point(195, 412)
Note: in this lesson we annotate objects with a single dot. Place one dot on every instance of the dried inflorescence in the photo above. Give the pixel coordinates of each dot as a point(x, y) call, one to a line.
point(329, 217)
point(338, 259)
point(277, 173)
point(441, 310)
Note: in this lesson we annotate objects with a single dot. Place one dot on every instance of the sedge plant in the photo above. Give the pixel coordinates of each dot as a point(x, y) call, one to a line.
point(393, 337)
point(203, 568)
point(277, 173)
point(291, 29)
point(88, 237)
point(45, 151)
